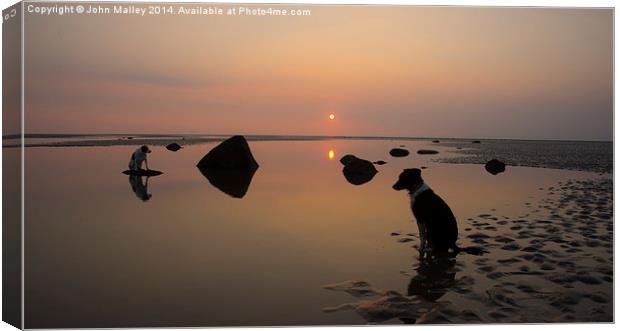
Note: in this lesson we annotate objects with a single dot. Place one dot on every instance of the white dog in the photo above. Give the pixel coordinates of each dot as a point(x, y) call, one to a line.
point(138, 157)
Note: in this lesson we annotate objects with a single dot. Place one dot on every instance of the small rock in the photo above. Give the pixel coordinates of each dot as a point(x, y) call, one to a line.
point(173, 147)
point(380, 162)
point(428, 151)
point(495, 167)
point(143, 173)
point(399, 152)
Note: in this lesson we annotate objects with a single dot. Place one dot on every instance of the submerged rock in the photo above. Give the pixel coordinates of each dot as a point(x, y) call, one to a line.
point(399, 152)
point(173, 147)
point(428, 151)
point(380, 162)
point(357, 171)
point(495, 167)
point(142, 173)
point(230, 166)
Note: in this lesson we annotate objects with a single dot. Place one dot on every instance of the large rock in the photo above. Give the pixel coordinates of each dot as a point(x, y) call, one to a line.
point(495, 167)
point(399, 152)
point(230, 166)
point(231, 154)
point(357, 171)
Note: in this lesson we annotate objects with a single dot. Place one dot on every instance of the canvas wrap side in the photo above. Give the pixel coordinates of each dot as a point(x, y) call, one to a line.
point(12, 165)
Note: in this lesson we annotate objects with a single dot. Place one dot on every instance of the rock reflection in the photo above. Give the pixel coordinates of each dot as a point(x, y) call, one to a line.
point(232, 182)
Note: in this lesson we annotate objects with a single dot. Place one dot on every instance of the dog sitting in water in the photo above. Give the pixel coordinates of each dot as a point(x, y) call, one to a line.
point(138, 157)
point(436, 222)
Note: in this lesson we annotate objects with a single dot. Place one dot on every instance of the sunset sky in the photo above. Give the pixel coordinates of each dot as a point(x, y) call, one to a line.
point(383, 71)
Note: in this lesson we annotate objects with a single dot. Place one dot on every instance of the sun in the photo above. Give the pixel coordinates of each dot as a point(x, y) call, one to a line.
point(332, 116)
point(331, 154)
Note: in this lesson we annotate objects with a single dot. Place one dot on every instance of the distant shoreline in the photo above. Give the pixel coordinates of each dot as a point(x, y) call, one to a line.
point(591, 156)
point(275, 137)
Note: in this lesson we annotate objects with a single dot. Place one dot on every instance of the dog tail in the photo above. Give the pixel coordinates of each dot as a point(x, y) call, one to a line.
point(473, 250)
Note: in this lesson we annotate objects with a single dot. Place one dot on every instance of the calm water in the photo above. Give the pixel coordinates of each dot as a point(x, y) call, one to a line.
point(98, 256)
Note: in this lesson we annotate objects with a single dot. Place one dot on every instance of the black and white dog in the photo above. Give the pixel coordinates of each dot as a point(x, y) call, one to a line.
point(436, 222)
point(138, 157)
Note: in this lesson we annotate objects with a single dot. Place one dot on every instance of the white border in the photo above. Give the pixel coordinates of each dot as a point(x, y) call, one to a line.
point(508, 3)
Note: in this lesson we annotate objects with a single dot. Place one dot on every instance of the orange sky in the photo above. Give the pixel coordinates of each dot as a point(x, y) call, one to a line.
point(389, 71)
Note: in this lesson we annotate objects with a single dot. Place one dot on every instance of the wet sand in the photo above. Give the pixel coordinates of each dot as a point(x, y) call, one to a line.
point(553, 263)
point(592, 156)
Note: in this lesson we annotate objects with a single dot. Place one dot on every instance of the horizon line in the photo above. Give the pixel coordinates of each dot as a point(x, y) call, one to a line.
point(61, 135)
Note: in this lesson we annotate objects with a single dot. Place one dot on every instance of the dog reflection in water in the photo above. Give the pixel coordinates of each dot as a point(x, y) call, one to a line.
point(140, 188)
point(436, 276)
